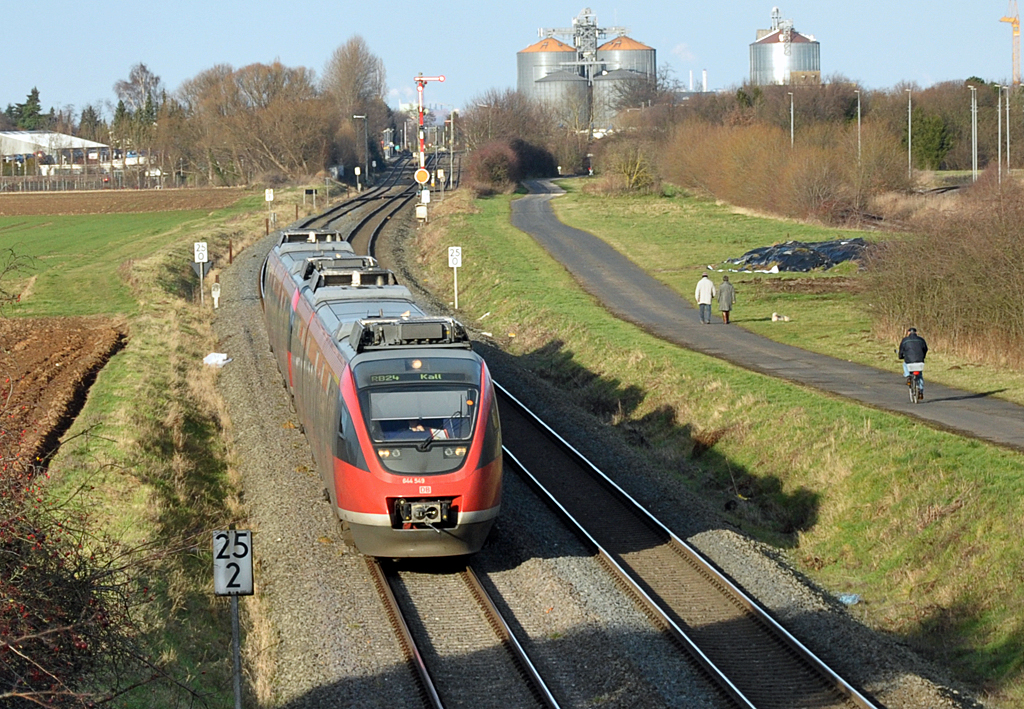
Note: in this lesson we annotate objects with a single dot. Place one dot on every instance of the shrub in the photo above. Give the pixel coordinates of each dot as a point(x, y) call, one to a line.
point(499, 165)
point(959, 275)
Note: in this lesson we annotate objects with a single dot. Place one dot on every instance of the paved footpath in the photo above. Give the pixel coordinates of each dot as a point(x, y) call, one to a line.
point(631, 294)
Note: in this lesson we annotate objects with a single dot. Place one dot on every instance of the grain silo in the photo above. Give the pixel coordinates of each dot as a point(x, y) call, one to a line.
point(568, 95)
point(628, 54)
point(611, 88)
point(587, 78)
point(781, 55)
point(538, 60)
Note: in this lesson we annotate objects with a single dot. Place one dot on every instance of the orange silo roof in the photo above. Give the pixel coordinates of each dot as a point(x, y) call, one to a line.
point(548, 44)
point(622, 42)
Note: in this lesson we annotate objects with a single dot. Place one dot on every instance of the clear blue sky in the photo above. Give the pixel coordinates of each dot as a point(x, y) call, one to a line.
point(74, 51)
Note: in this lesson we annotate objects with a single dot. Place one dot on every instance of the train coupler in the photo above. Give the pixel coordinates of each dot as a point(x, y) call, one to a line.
point(423, 513)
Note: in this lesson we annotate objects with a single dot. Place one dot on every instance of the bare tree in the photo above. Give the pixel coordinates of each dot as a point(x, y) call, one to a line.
point(354, 77)
point(262, 118)
point(507, 115)
point(354, 80)
point(142, 84)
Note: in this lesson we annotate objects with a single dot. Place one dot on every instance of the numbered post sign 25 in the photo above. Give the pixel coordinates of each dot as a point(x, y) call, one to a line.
point(232, 562)
point(454, 257)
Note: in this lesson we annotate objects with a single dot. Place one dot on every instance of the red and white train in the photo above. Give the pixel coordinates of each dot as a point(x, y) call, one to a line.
point(399, 411)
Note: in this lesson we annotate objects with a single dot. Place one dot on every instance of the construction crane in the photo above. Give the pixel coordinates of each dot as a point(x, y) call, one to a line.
point(1013, 17)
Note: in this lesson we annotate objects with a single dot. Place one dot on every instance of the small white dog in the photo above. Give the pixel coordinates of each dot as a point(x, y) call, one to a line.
point(779, 318)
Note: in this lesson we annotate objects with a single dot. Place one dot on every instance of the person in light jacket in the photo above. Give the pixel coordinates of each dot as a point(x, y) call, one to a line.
point(704, 295)
point(726, 298)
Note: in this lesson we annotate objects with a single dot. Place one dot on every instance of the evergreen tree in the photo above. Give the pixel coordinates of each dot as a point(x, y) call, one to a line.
point(90, 124)
point(28, 115)
point(120, 128)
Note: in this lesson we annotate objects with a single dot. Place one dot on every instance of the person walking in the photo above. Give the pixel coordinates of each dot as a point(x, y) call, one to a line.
point(704, 295)
point(726, 297)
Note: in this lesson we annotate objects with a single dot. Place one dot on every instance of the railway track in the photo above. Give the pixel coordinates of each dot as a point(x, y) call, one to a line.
point(392, 180)
point(366, 215)
point(452, 632)
point(455, 640)
point(754, 660)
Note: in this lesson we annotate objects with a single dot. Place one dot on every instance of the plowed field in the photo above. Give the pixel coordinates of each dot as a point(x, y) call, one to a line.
point(116, 201)
point(46, 367)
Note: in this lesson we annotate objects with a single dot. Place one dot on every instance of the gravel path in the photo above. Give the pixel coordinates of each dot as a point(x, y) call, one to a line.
point(329, 643)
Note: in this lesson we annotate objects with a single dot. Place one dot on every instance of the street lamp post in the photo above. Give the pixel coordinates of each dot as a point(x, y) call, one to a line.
point(1008, 89)
point(488, 107)
point(858, 127)
point(366, 148)
point(910, 137)
point(999, 132)
point(790, 119)
point(974, 133)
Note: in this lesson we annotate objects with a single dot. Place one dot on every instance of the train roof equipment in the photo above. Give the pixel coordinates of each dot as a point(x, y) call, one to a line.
point(312, 236)
point(378, 334)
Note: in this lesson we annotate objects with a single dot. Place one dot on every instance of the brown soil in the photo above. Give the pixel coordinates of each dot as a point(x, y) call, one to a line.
point(117, 201)
point(46, 367)
point(814, 286)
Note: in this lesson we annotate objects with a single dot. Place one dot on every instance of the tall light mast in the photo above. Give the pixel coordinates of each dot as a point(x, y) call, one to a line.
point(1013, 17)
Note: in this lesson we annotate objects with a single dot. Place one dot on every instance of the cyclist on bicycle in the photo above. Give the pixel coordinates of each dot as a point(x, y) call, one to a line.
point(913, 350)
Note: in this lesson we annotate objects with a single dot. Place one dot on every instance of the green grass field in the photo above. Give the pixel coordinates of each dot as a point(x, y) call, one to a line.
point(921, 523)
point(675, 238)
point(146, 458)
point(82, 265)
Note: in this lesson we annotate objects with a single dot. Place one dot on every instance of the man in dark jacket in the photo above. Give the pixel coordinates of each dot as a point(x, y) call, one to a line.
point(913, 350)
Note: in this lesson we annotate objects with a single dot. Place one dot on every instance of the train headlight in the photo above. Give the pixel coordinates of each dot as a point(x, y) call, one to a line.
point(455, 452)
point(389, 452)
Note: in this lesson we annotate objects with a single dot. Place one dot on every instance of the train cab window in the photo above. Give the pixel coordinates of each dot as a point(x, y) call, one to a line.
point(421, 413)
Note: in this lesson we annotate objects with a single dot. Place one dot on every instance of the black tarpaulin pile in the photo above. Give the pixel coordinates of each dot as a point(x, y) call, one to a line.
point(802, 255)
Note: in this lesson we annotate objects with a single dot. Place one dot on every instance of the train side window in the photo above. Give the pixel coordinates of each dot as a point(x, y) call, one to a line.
point(492, 435)
point(348, 442)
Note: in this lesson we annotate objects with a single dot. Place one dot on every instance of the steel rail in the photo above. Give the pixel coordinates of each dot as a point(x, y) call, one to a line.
point(508, 639)
point(413, 658)
point(706, 567)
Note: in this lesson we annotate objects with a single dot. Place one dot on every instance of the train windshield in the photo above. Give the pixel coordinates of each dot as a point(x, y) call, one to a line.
point(419, 399)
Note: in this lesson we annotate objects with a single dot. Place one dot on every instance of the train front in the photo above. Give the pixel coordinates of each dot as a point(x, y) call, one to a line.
point(418, 471)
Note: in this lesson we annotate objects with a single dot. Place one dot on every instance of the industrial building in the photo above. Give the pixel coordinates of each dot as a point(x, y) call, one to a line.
point(585, 80)
point(49, 151)
point(781, 55)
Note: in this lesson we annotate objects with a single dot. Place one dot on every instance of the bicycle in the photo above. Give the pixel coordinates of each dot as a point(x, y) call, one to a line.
point(915, 382)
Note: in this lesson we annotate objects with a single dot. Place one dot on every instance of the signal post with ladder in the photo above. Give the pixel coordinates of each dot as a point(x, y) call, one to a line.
point(421, 81)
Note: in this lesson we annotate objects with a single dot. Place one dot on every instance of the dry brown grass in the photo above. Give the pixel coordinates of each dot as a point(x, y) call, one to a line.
point(958, 275)
point(755, 167)
point(118, 201)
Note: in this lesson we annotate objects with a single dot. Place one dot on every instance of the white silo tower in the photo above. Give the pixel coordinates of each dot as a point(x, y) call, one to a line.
point(781, 55)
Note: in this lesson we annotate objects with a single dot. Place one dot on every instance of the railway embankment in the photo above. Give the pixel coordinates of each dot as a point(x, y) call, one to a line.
point(873, 506)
